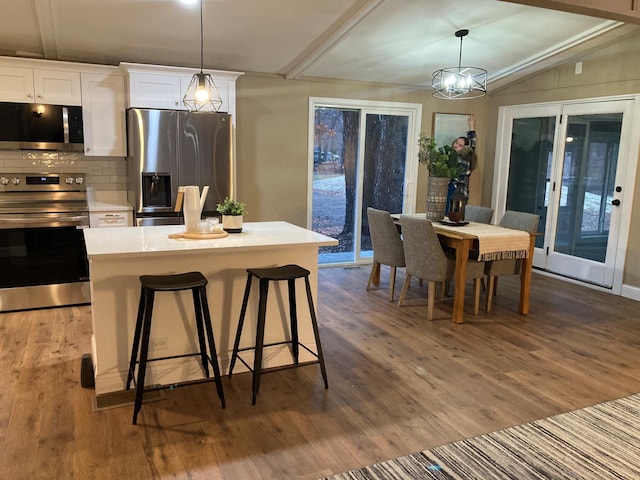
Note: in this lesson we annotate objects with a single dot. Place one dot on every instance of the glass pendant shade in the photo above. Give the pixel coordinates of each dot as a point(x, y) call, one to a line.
point(202, 94)
point(458, 83)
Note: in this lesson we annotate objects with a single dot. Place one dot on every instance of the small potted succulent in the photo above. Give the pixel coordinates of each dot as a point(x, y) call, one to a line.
point(232, 213)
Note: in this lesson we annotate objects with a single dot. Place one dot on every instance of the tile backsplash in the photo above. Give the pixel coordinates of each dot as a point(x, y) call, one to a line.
point(103, 173)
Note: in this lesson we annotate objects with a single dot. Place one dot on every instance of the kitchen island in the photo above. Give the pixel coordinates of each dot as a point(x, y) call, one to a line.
point(117, 258)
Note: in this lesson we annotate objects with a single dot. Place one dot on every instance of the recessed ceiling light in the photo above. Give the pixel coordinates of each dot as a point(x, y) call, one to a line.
point(188, 2)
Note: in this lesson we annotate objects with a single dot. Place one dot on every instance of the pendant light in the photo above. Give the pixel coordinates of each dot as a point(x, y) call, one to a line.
point(202, 94)
point(459, 83)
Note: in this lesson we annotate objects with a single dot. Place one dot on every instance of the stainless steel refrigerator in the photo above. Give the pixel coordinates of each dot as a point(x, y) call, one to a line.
point(170, 148)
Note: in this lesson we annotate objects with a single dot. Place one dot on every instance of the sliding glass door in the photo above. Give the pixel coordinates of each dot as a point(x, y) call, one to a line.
point(566, 163)
point(362, 155)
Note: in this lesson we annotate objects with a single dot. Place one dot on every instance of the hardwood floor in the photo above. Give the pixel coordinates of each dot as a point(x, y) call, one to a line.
point(397, 384)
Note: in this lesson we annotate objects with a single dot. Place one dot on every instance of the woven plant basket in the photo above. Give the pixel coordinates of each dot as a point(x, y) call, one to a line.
point(437, 188)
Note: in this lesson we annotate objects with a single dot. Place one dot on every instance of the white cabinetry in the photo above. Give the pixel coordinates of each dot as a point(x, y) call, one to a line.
point(148, 90)
point(103, 111)
point(27, 85)
point(111, 219)
point(152, 86)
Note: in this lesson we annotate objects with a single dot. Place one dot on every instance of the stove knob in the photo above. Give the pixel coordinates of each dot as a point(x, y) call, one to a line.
point(79, 180)
point(4, 181)
point(15, 181)
point(68, 180)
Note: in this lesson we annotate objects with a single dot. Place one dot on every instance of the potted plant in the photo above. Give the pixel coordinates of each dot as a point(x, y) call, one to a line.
point(232, 214)
point(442, 164)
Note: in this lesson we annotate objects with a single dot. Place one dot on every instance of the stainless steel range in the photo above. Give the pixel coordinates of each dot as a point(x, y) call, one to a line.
point(42, 250)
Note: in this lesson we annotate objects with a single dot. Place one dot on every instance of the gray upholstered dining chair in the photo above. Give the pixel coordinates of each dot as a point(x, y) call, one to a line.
point(497, 268)
point(387, 246)
point(476, 213)
point(427, 260)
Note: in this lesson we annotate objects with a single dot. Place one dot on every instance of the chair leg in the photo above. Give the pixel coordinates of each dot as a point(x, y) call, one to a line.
point(243, 311)
point(257, 360)
point(293, 319)
point(213, 352)
point(144, 352)
point(431, 299)
point(374, 276)
point(316, 332)
point(476, 295)
point(405, 287)
point(392, 283)
point(489, 294)
point(136, 341)
point(197, 306)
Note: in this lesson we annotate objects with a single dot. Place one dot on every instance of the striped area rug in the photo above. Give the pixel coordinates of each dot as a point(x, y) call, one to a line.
point(593, 443)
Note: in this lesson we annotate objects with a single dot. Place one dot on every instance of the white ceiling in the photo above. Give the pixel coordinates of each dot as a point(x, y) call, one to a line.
point(389, 41)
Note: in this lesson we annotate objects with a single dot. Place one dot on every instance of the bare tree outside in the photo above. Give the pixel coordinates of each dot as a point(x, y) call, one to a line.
point(335, 176)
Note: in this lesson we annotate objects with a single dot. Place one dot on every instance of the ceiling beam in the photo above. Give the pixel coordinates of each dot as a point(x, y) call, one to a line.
point(44, 14)
point(627, 11)
point(337, 31)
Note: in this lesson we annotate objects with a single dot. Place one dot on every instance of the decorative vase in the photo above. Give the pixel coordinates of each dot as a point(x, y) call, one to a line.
point(437, 189)
point(232, 223)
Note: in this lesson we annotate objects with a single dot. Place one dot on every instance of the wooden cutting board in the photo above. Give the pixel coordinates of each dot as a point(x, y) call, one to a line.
point(198, 236)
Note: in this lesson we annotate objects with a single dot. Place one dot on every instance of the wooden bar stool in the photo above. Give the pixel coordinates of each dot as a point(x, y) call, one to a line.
point(288, 273)
point(196, 282)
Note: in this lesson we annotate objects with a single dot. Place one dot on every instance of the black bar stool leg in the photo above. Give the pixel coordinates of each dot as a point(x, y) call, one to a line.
point(257, 360)
point(243, 311)
point(144, 351)
point(316, 332)
point(136, 340)
point(212, 345)
point(293, 317)
point(197, 305)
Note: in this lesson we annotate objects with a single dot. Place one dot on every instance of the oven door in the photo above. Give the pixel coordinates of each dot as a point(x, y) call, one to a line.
point(44, 263)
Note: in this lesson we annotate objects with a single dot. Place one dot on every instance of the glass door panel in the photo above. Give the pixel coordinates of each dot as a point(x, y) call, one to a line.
point(562, 162)
point(335, 157)
point(385, 155)
point(590, 161)
point(531, 166)
point(361, 158)
point(590, 185)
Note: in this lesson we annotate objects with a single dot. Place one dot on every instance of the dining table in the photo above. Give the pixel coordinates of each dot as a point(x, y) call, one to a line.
point(492, 242)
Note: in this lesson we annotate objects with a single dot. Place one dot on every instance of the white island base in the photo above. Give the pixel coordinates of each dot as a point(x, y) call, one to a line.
point(117, 258)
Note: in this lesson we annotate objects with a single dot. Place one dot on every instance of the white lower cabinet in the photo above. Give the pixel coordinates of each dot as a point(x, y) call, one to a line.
point(123, 218)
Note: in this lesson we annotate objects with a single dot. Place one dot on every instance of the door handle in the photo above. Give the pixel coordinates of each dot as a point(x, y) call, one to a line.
point(615, 202)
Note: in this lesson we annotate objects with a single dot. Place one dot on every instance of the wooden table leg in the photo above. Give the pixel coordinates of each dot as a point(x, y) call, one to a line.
point(462, 257)
point(525, 277)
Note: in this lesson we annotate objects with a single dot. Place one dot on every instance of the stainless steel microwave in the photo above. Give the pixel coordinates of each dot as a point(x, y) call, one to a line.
point(34, 126)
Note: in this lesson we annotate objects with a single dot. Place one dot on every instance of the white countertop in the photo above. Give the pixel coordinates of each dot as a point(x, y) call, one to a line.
point(136, 241)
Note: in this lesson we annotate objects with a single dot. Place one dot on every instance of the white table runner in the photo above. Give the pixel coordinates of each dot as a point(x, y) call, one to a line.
point(495, 242)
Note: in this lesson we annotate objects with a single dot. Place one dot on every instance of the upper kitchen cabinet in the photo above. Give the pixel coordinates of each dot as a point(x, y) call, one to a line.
point(152, 86)
point(27, 85)
point(103, 112)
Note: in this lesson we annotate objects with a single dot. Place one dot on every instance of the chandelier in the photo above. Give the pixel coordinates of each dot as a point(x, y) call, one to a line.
point(202, 94)
point(459, 83)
